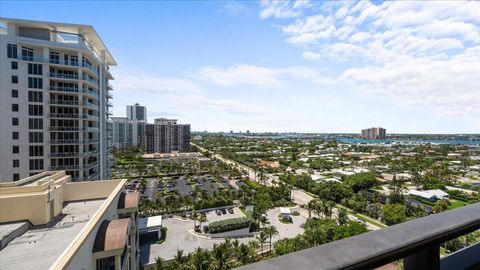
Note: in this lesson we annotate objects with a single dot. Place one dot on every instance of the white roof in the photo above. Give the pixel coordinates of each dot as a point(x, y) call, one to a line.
point(149, 222)
point(284, 210)
point(87, 30)
point(429, 193)
point(332, 180)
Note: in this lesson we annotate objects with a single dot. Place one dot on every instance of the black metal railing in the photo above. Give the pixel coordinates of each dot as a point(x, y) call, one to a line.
point(417, 242)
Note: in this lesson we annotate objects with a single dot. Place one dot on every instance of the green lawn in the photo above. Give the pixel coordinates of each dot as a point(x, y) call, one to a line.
point(456, 204)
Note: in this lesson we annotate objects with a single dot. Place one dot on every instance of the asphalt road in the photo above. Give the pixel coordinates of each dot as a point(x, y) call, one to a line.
point(300, 197)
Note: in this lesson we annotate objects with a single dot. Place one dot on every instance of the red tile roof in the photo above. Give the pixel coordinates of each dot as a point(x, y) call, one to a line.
point(129, 200)
point(111, 235)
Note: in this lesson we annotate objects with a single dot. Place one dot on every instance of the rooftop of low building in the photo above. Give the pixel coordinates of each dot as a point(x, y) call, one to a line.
point(41, 246)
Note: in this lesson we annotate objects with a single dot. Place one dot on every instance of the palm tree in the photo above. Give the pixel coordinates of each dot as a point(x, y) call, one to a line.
point(271, 231)
point(220, 254)
point(201, 259)
point(195, 218)
point(228, 243)
point(235, 244)
point(244, 252)
point(328, 208)
point(179, 260)
point(317, 206)
point(261, 237)
point(159, 263)
point(342, 216)
point(310, 206)
point(202, 218)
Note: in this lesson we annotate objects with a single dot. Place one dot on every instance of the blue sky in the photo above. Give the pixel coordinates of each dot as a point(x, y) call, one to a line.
point(411, 67)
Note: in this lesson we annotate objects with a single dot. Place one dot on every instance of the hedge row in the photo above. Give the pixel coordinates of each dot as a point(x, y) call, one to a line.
point(211, 203)
point(229, 224)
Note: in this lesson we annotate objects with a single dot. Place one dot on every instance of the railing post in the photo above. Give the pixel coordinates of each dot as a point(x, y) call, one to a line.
point(427, 259)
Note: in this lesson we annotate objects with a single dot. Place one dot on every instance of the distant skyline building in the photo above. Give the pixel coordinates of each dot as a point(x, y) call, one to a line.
point(137, 112)
point(54, 100)
point(166, 136)
point(130, 131)
point(374, 133)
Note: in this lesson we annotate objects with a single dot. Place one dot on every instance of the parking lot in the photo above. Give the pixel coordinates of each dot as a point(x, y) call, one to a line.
point(208, 186)
point(183, 185)
point(212, 216)
point(178, 238)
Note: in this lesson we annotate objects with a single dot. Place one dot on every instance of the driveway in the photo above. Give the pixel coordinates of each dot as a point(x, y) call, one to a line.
point(178, 238)
point(300, 197)
point(289, 230)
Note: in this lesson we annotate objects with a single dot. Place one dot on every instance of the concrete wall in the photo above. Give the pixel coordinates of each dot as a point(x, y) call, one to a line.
point(75, 191)
point(33, 207)
point(83, 260)
point(245, 232)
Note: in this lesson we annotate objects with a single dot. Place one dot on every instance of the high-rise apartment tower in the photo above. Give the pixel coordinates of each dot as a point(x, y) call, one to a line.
point(54, 100)
point(374, 133)
point(166, 136)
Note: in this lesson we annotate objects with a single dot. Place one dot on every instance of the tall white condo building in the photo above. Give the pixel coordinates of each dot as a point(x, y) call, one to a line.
point(54, 100)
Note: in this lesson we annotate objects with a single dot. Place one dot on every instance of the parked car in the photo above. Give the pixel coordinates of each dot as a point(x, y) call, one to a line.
point(224, 211)
point(230, 210)
point(218, 212)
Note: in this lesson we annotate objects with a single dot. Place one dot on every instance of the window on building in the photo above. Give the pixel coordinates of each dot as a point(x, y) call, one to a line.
point(35, 69)
point(14, 65)
point(35, 96)
point(36, 164)
point(35, 137)
point(14, 79)
point(15, 135)
point(35, 123)
point(35, 150)
point(54, 58)
point(14, 93)
point(74, 60)
point(16, 163)
point(35, 83)
point(14, 121)
point(14, 107)
point(27, 54)
point(16, 177)
point(12, 51)
point(15, 149)
point(35, 110)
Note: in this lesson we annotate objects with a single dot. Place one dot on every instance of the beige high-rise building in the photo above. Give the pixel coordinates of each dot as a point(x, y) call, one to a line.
point(374, 133)
point(49, 222)
point(54, 100)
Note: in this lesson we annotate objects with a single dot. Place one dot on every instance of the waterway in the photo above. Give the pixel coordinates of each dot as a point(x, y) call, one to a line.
point(409, 141)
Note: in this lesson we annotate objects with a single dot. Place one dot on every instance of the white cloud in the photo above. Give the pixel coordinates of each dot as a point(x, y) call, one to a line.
point(180, 92)
point(258, 76)
point(416, 52)
point(240, 75)
point(450, 86)
point(311, 55)
point(359, 37)
point(282, 9)
point(232, 7)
